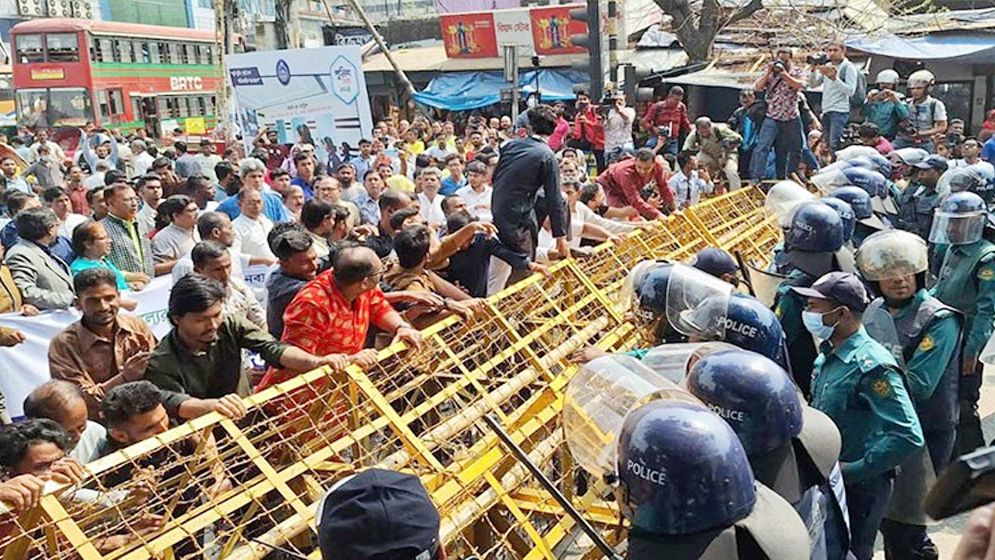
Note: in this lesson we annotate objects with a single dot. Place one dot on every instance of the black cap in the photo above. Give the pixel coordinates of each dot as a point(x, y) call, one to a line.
point(714, 261)
point(933, 162)
point(841, 287)
point(378, 513)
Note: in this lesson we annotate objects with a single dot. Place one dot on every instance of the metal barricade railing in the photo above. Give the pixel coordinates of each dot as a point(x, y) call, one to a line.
point(213, 488)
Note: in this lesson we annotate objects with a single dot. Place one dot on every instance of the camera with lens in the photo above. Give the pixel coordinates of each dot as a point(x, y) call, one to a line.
point(820, 59)
point(778, 67)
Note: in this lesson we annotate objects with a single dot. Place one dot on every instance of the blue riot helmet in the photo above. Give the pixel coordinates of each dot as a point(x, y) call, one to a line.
point(874, 162)
point(960, 220)
point(846, 214)
point(857, 198)
point(649, 302)
point(782, 199)
point(747, 324)
point(963, 179)
point(753, 394)
point(815, 236)
point(681, 470)
point(874, 183)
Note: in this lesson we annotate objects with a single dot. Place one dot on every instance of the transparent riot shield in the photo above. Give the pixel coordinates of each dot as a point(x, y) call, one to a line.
point(764, 284)
point(782, 200)
point(674, 361)
point(597, 400)
point(881, 327)
point(632, 280)
point(697, 303)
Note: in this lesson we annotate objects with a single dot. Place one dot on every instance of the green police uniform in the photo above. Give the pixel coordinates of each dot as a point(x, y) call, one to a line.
point(788, 307)
point(915, 209)
point(860, 387)
point(966, 281)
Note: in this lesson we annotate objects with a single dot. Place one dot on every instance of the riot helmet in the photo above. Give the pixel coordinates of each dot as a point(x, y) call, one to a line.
point(674, 361)
point(682, 470)
point(959, 220)
point(689, 288)
point(599, 397)
point(892, 254)
point(753, 394)
point(746, 323)
point(874, 162)
point(857, 198)
point(782, 200)
point(962, 179)
point(815, 228)
point(649, 303)
point(856, 150)
point(908, 156)
point(846, 215)
point(873, 182)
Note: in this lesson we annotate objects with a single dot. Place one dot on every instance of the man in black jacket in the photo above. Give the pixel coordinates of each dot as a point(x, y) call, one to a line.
point(526, 192)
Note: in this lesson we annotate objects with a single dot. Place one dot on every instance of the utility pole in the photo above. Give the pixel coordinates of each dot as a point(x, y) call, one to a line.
point(408, 87)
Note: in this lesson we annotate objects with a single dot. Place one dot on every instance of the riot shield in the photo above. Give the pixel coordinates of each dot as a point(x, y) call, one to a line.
point(764, 284)
point(697, 302)
point(674, 361)
point(881, 327)
point(597, 400)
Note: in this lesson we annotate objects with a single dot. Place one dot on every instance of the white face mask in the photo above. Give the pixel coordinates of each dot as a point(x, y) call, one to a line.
point(814, 324)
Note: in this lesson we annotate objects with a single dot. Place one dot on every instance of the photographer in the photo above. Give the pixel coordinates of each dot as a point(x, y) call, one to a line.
point(781, 128)
point(885, 106)
point(665, 121)
point(927, 114)
point(588, 133)
point(838, 79)
point(618, 127)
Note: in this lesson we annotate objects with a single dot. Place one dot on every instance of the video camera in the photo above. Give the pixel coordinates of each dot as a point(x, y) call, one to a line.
point(820, 59)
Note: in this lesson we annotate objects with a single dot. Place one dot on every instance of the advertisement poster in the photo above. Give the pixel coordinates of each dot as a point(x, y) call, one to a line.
point(469, 35)
point(551, 30)
point(315, 96)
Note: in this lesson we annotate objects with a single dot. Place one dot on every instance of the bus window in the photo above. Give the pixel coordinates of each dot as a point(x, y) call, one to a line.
point(115, 101)
point(29, 48)
point(103, 110)
point(153, 48)
point(183, 56)
point(209, 51)
point(105, 50)
point(54, 107)
point(122, 50)
point(62, 47)
point(201, 106)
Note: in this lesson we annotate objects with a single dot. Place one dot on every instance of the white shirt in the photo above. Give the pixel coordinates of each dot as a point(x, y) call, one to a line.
point(686, 189)
point(141, 164)
point(618, 130)
point(88, 447)
point(474, 199)
point(431, 210)
point(146, 215)
point(172, 242)
point(94, 181)
point(239, 262)
point(984, 167)
point(253, 234)
point(72, 220)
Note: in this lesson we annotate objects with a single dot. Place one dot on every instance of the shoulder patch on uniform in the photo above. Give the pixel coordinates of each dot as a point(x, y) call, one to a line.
point(986, 273)
point(926, 344)
point(867, 363)
point(778, 312)
point(881, 387)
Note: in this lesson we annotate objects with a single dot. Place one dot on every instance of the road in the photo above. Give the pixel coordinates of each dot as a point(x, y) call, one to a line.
point(947, 533)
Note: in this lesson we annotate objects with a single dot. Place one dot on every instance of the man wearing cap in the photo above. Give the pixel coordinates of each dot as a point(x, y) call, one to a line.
point(857, 382)
point(917, 202)
point(718, 263)
point(378, 514)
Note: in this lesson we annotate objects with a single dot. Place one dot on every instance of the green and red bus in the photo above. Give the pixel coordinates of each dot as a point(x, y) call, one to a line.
point(122, 76)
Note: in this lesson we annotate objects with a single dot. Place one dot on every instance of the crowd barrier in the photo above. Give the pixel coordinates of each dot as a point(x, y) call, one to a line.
point(213, 488)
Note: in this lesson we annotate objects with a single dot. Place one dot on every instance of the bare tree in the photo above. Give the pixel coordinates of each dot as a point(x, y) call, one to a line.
point(697, 23)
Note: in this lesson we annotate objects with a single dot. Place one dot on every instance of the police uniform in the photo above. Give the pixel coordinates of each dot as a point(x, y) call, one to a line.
point(966, 281)
point(915, 209)
point(788, 307)
point(860, 387)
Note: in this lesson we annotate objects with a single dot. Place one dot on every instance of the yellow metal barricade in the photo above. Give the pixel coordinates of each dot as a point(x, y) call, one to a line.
point(215, 489)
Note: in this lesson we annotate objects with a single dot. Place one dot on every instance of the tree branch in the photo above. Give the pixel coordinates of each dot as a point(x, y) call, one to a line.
point(746, 11)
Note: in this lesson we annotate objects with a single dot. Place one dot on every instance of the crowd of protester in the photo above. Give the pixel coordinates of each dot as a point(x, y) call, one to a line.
point(369, 245)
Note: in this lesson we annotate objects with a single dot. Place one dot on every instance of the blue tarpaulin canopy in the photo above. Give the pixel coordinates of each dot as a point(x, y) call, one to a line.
point(977, 48)
point(463, 91)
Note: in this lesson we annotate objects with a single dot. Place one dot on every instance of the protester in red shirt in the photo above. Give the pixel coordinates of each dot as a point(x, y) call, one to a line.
point(332, 313)
point(559, 135)
point(666, 121)
point(588, 133)
point(624, 181)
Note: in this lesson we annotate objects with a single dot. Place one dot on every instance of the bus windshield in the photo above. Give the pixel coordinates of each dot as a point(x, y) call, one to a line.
point(54, 107)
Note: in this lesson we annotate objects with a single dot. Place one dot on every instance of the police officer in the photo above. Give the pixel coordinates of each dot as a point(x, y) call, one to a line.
point(746, 323)
point(780, 203)
point(685, 485)
point(857, 382)
point(815, 236)
point(867, 222)
point(918, 200)
point(793, 449)
point(924, 335)
point(966, 282)
point(966, 179)
point(846, 215)
point(718, 263)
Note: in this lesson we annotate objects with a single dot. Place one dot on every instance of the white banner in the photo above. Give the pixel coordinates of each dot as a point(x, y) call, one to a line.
point(25, 366)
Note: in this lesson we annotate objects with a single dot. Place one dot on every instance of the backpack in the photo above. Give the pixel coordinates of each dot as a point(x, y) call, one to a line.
point(859, 96)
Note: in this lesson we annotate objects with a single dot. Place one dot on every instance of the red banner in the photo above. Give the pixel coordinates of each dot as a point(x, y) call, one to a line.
point(552, 27)
point(469, 35)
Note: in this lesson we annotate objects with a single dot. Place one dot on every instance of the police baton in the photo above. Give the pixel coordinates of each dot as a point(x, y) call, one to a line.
point(522, 456)
point(744, 273)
